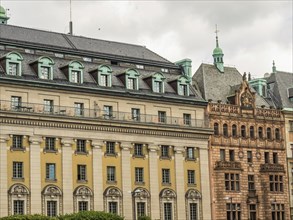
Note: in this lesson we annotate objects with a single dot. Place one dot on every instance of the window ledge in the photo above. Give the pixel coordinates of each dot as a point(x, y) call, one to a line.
point(21, 179)
point(191, 184)
point(166, 184)
point(82, 181)
point(191, 159)
point(165, 158)
point(51, 180)
point(139, 183)
point(111, 182)
point(17, 149)
point(110, 154)
point(50, 151)
point(138, 156)
point(81, 153)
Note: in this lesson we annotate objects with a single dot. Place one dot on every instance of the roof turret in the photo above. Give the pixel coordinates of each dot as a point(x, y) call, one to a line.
point(3, 15)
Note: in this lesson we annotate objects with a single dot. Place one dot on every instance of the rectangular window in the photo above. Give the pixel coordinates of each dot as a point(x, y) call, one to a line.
point(139, 175)
point(166, 176)
point(15, 102)
point(168, 211)
point(222, 155)
point(140, 209)
point(111, 176)
point(278, 211)
point(190, 176)
point(193, 211)
point(251, 185)
point(187, 119)
point(139, 66)
point(158, 86)
point(276, 183)
point(275, 158)
point(135, 114)
point(131, 83)
point(50, 144)
point(81, 146)
point(113, 207)
point(81, 172)
point(50, 171)
point(13, 69)
point(232, 155)
point(75, 76)
point(290, 125)
point(190, 153)
point(110, 147)
point(232, 182)
point(108, 112)
point(45, 72)
point(165, 151)
point(164, 70)
point(183, 90)
point(162, 117)
point(79, 109)
point(82, 206)
point(48, 106)
point(104, 80)
point(138, 150)
point(17, 170)
point(51, 208)
point(18, 207)
point(17, 141)
point(267, 157)
point(252, 212)
point(233, 211)
point(249, 156)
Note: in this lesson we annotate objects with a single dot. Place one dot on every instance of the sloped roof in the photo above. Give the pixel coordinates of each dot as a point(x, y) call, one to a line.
point(59, 40)
point(218, 86)
point(283, 81)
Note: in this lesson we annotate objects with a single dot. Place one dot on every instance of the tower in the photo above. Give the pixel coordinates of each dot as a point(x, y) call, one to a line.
point(218, 55)
point(3, 16)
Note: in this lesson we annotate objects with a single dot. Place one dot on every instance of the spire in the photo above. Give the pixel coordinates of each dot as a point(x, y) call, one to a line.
point(274, 69)
point(218, 54)
point(3, 15)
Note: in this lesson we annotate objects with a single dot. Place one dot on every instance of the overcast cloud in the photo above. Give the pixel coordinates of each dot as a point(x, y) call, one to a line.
point(252, 33)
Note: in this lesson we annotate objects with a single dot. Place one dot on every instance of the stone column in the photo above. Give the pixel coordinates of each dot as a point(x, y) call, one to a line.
point(179, 175)
point(126, 180)
point(97, 175)
point(154, 182)
point(3, 175)
point(35, 174)
point(67, 175)
point(205, 183)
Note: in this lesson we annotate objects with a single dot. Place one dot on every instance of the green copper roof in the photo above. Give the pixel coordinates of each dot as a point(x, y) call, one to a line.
point(217, 50)
point(2, 12)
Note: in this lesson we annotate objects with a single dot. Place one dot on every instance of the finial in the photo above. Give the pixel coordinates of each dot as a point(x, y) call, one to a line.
point(244, 76)
point(70, 22)
point(249, 76)
point(217, 31)
point(274, 67)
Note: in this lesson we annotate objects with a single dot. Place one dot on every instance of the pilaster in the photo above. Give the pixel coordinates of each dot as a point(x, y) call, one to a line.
point(67, 175)
point(126, 180)
point(97, 175)
point(35, 174)
point(154, 182)
point(179, 175)
point(3, 175)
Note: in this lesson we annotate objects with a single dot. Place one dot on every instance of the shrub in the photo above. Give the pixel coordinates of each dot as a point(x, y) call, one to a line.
point(28, 217)
point(144, 218)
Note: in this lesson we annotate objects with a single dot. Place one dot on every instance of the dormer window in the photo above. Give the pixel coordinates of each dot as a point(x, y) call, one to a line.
point(13, 63)
point(74, 72)
point(131, 77)
point(44, 67)
point(183, 86)
point(158, 83)
point(104, 76)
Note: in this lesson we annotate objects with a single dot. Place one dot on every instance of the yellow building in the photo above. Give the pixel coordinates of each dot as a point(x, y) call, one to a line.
point(88, 124)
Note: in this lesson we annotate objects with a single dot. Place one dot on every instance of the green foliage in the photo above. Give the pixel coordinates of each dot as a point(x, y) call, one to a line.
point(89, 215)
point(144, 218)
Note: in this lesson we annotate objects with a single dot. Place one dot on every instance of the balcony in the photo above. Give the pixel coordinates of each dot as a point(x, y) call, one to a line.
point(271, 167)
point(65, 111)
point(227, 165)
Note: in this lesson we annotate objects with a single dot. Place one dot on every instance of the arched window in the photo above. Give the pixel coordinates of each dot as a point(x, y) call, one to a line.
point(193, 203)
point(277, 134)
point(216, 128)
point(234, 130)
point(75, 72)
point(83, 199)
point(45, 68)
point(18, 200)
point(269, 133)
point(52, 201)
point(260, 133)
point(141, 201)
point(168, 205)
point(183, 86)
point(158, 83)
point(13, 63)
point(131, 79)
point(225, 130)
point(243, 131)
point(104, 76)
point(113, 200)
point(251, 132)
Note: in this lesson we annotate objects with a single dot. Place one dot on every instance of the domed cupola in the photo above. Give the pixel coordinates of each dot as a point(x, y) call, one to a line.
point(218, 55)
point(3, 16)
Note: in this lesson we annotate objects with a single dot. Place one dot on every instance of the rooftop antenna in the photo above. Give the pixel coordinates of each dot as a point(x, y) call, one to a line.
point(70, 22)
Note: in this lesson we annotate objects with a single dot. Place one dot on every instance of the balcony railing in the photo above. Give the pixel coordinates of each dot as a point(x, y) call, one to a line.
point(227, 165)
point(56, 110)
point(272, 167)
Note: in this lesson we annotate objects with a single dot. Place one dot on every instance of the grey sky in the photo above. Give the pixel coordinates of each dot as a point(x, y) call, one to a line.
point(252, 33)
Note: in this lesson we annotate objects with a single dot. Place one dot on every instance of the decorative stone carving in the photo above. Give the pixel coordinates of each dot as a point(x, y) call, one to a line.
point(19, 190)
point(193, 194)
point(141, 193)
point(52, 192)
point(83, 193)
point(113, 194)
point(247, 100)
point(168, 194)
